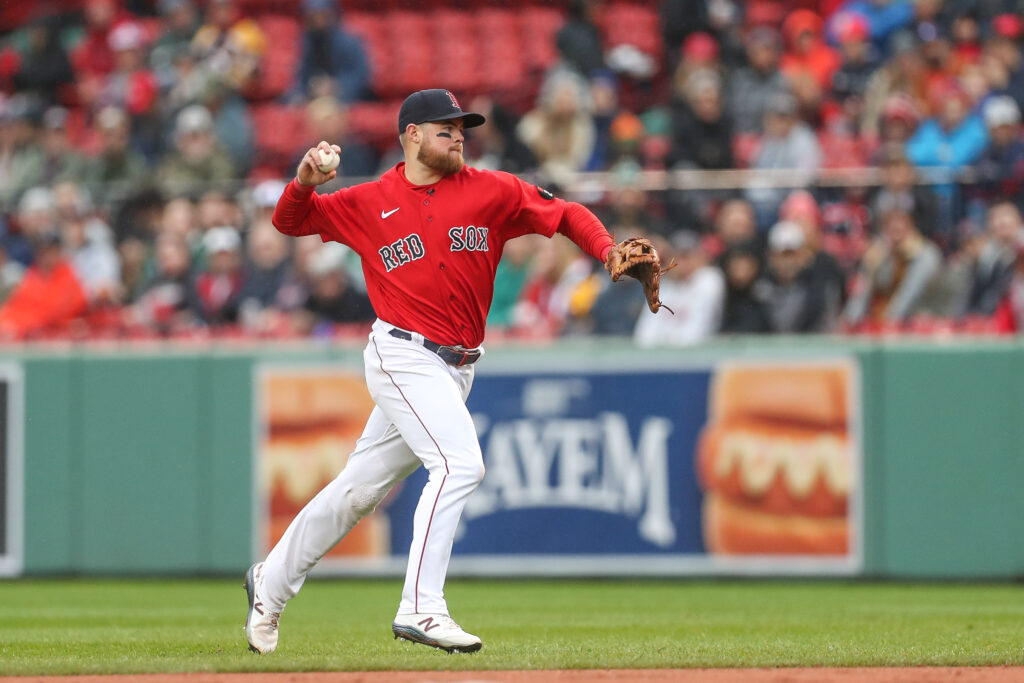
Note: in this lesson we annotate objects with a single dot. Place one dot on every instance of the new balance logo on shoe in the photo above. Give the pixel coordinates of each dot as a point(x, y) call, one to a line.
point(428, 624)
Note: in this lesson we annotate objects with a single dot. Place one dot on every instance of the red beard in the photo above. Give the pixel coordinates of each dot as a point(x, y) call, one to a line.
point(444, 163)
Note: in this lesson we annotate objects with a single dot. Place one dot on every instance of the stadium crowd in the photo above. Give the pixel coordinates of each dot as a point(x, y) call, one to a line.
point(144, 144)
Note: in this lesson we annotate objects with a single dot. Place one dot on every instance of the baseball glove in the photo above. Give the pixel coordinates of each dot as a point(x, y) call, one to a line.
point(637, 258)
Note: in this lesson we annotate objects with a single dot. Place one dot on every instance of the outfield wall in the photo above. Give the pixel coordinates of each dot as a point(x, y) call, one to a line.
point(143, 462)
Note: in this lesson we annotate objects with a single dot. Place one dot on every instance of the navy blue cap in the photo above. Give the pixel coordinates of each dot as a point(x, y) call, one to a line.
point(436, 104)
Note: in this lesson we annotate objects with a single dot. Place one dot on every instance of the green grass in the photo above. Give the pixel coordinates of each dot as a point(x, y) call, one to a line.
point(80, 626)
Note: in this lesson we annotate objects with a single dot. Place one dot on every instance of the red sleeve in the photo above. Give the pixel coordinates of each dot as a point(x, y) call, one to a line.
point(301, 211)
point(535, 209)
point(585, 229)
point(292, 215)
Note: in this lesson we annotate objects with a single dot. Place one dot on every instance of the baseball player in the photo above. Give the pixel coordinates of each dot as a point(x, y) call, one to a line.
point(430, 233)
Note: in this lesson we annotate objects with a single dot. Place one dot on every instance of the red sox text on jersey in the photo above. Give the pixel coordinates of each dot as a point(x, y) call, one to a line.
point(430, 252)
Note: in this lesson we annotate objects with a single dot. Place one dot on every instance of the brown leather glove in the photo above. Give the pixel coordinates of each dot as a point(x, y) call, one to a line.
point(637, 258)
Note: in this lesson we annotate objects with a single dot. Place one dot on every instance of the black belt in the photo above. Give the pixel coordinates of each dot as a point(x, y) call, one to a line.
point(452, 355)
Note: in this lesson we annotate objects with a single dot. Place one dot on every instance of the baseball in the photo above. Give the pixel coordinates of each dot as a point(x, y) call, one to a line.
point(328, 160)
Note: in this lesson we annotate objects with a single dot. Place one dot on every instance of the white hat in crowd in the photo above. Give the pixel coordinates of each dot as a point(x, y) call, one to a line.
point(786, 236)
point(266, 194)
point(329, 258)
point(193, 119)
point(1001, 110)
point(223, 238)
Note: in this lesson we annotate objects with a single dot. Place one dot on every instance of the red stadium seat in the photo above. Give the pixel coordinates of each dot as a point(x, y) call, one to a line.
point(628, 24)
point(540, 24)
point(280, 134)
point(281, 60)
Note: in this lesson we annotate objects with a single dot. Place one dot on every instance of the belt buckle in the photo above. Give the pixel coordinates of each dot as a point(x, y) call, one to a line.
point(463, 352)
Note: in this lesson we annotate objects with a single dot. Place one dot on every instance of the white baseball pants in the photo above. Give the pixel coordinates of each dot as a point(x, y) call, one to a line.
point(420, 419)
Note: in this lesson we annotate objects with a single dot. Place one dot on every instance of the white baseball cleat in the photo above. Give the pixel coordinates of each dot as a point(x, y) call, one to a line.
point(261, 623)
point(436, 630)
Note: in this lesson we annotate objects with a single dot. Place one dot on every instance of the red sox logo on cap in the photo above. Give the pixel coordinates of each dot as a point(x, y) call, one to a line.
point(451, 97)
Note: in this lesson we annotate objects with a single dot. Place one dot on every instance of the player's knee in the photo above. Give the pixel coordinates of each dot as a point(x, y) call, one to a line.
point(470, 471)
point(363, 498)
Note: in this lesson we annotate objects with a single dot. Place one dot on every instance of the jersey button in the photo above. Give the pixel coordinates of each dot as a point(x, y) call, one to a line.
point(442, 266)
point(430, 218)
point(426, 202)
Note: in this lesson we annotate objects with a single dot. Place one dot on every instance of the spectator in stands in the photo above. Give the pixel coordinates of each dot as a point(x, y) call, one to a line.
point(884, 17)
point(49, 296)
point(198, 160)
point(700, 52)
point(333, 61)
point(788, 144)
point(93, 57)
point(228, 46)
point(543, 304)
point(809, 63)
point(1000, 168)
point(513, 270)
point(216, 289)
point(116, 171)
point(579, 41)
point(746, 307)
point(992, 268)
point(896, 273)
point(327, 119)
point(901, 191)
point(733, 224)
point(607, 111)
point(332, 300)
point(1010, 314)
point(753, 85)
point(701, 131)
point(806, 52)
point(133, 87)
point(1004, 45)
point(87, 242)
point(180, 23)
point(21, 159)
point(494, 145)
point(722, 19)
point(560, 130)
point(955, 137)
point(824, 268)
point(629, 203)
point(61, 161)
point(214, 208)
point(899, 120)
point(164, 303)
point(694, 290)
point(45, 69)
point(11, 273)
point(858, 60)
point(796, 300)
point(899, 80)
point(267, 269)
point(264, 198)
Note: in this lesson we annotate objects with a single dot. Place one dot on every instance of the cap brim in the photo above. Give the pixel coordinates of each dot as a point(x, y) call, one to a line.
point(469, 119)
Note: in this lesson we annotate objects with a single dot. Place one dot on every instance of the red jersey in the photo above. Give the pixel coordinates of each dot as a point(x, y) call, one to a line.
point(429, 252)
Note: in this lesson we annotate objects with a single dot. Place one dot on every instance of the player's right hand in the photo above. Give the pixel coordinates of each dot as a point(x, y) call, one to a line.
point(309, 172)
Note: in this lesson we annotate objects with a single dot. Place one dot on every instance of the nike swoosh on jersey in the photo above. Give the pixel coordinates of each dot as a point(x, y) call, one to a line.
point(385, 214)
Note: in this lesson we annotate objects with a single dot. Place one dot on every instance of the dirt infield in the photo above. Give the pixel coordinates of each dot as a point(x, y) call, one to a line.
point(861, 675)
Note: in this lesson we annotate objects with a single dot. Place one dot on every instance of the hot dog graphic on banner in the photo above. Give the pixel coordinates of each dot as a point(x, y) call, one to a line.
point(733, 467)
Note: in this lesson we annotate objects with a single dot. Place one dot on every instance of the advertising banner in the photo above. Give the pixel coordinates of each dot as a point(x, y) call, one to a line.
point(727, 467)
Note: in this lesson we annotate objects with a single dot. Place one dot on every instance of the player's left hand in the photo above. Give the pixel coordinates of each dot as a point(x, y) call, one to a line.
point(638, 258)
point(309, 172)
